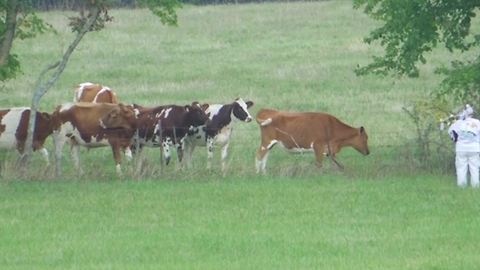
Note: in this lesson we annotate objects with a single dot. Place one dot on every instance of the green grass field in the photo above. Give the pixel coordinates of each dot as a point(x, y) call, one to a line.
point(385, 211)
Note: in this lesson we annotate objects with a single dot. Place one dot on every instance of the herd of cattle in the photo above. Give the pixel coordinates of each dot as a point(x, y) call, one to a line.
point(96, 118)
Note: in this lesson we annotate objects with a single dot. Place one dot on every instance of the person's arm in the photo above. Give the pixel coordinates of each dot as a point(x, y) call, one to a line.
point(453, 133)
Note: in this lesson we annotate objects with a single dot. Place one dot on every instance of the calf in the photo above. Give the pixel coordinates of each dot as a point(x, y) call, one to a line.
point(218, 130)
point(167, 125)
point(96, 93)
point(320, 133)
point(14, 128)
point(94, 125)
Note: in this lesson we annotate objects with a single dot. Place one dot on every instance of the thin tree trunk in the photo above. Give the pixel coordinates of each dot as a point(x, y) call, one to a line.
point(7, 38)
point(42, 87)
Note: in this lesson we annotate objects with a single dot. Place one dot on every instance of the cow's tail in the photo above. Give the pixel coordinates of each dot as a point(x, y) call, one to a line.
point(264, 122)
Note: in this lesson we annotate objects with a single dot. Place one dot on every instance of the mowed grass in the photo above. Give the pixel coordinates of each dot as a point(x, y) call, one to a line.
point(382, 212)
point(263, 223)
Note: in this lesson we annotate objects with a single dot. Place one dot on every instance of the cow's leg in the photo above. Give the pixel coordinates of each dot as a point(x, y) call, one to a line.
point(261, 159)
point(128, 153)
point(74, 151)
point(118, 159)
point(188, 153)
point(59, 140)
point(209, 152)
point(180, 149)
point(166, 150)
point(139, 158)
point(262, 154)
point(333, 158)
point(224, 156)
point(319, 149)
point(332, 150)
point(43, 151)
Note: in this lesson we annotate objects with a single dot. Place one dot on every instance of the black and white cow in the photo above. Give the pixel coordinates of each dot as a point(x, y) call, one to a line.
point(166, 126)
point(218, 130)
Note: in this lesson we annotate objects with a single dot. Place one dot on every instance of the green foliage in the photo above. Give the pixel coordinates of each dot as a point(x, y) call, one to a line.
point(431, 144)
point(411, 28)
point(28, 25)
point(462, 82)
point(164, 9)
point(10, 69)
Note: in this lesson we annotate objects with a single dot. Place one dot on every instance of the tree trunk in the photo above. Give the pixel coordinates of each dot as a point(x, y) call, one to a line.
point(42, 87)
point(6, 40)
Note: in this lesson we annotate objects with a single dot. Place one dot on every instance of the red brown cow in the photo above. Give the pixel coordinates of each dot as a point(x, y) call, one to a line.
point(94, 125)
point(14, 126)
point(299, 132)
point(96, 93)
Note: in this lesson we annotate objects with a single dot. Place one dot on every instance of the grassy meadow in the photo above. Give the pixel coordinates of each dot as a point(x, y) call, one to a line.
point(384, 211)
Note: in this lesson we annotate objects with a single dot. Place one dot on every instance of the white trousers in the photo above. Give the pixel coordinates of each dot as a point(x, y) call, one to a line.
point(464, 162)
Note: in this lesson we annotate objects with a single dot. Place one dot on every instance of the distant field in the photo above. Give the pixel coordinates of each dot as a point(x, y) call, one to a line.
point(383, 212)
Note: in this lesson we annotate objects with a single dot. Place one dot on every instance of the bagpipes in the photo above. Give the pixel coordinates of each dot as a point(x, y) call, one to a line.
point(462, 114)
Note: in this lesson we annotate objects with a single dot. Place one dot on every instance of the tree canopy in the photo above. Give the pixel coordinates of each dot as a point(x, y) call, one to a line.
point(18, 20)
point(411, 28)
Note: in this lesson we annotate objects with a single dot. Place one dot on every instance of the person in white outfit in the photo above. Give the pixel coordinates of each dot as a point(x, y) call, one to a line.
point(465, 132)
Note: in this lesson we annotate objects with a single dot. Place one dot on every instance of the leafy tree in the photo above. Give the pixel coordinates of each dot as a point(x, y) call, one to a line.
point(412, 28)
point(17, 21)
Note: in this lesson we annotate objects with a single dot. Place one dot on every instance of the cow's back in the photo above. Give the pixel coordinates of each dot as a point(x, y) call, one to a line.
point(14, 127)
point(296, 129)
point(97, 93)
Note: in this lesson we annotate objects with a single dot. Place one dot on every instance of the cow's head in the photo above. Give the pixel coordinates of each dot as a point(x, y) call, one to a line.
point(120, 116)
point(196, 116)
point(240, 110)
point(45, 123)
point(360, 141)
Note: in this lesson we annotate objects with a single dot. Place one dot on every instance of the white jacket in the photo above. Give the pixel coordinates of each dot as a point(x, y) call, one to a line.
point(466, 134)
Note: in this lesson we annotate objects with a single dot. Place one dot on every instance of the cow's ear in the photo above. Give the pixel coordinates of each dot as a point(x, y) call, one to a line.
point(187, 108)
point(196, 103)
point(362, 130)
point(204, 106)
point(249, 104)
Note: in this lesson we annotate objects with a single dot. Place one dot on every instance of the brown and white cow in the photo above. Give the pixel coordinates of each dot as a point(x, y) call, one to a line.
point(299, 132)
point(96, 93)
point(218, 130)
point(166, 126)
point(94, 125)
point(14, 127)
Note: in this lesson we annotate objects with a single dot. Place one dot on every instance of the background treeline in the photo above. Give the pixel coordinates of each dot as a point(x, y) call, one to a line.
point(75, 4)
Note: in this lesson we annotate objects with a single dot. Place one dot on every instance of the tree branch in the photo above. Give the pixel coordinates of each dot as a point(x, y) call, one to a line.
point(42, 87)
